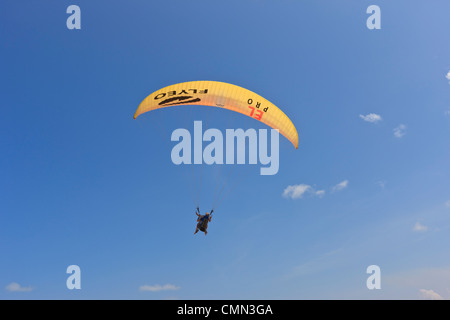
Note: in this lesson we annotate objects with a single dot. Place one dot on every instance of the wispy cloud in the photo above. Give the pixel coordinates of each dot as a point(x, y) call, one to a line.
point(418, 227)
point(15, 287)
point(447, 204)
point(430, 295)
point(448, 76)
point(320, 193)
point(371, 117)
point(157, 287)
point(296, 191)
point(340, 186)
point(400, 131)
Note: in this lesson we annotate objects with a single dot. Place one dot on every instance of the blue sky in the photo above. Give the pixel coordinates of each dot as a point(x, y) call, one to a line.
point(83, 183)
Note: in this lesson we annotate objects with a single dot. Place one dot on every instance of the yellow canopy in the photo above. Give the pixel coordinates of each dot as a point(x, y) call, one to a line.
point(222, 95)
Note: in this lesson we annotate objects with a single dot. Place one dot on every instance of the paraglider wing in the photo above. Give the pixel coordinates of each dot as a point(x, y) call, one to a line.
point(222, 95)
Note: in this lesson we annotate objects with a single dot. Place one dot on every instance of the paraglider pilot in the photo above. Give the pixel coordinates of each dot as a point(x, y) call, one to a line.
point(202, 221)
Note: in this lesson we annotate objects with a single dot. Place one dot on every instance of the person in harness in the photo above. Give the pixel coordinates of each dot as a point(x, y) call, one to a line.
point(202, 221)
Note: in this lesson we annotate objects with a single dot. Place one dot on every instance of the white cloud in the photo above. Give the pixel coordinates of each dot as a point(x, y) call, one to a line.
point(320, 193)
point(15, 287)
point(371, 117)
point(400, 131)
point(157, 287)
point(340, 186)
point(296, 191)
point(418, 227)
point(430, 295)
point(448, 76)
